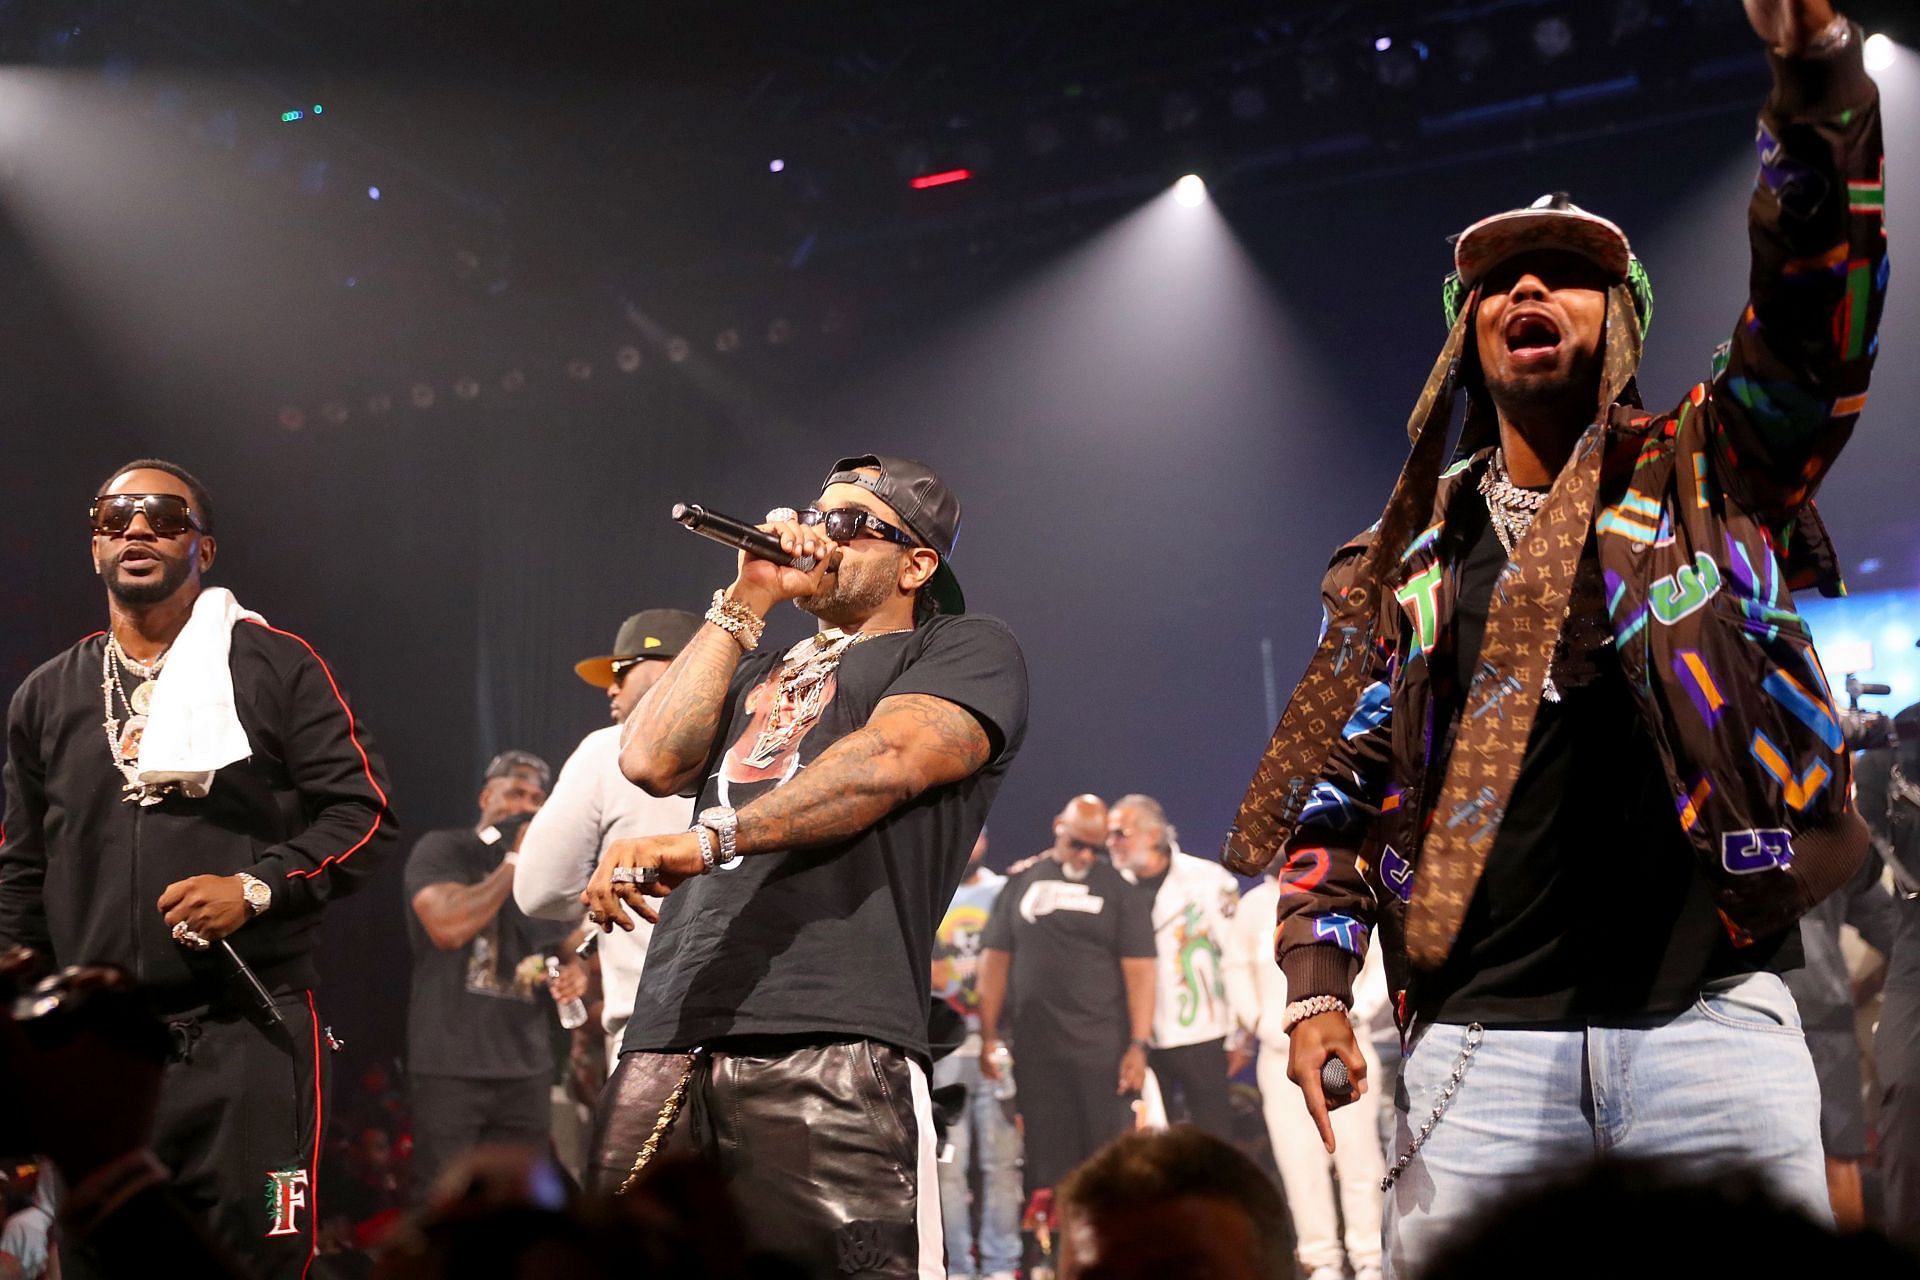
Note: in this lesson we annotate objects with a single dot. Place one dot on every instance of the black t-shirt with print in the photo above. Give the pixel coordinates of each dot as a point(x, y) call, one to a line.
point(1545, 940)
point(472, 1012)
point(834, 940)
point(1067, 936)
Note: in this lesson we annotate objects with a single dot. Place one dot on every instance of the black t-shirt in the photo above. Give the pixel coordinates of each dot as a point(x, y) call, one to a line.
point(474, 1012)
point(1547, 938)
point(837, 939)
point(1066, 994)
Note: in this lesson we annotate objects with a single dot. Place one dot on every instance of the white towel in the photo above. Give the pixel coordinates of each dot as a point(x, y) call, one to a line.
point(193, 729)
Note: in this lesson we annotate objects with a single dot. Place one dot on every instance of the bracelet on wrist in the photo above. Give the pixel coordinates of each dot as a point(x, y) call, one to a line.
point(1830, 39)
point(1312, 1007)
point(708, 858)
point(738, 621)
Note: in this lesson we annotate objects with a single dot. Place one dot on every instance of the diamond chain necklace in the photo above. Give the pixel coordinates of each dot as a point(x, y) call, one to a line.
point(1511, 508)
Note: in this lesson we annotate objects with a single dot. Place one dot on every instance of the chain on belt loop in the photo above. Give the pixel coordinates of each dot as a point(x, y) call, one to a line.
point(1474, 1033)
point(662, 1124)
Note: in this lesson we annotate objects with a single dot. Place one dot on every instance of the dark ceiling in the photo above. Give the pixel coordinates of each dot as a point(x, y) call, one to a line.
point(656, 130)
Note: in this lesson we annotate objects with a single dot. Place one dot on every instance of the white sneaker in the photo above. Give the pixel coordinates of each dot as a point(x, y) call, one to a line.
point(1331, 1272)
point(997, 1275)
point(1368, 1273)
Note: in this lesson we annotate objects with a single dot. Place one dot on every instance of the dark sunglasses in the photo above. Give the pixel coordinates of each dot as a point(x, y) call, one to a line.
point(168, 515)
point(844, 524)
point(1088, 846)
point(621, 666)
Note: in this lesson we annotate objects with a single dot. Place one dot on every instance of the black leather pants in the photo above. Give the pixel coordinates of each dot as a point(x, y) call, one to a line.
point(822, 1145)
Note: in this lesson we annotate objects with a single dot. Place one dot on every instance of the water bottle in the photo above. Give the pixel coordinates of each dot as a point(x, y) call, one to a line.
point(573, 1013)
point(1002, 1060)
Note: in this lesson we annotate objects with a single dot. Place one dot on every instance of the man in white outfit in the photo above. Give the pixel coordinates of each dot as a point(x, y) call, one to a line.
point(592, 804)
point(1193, 900)
point(1258, 992)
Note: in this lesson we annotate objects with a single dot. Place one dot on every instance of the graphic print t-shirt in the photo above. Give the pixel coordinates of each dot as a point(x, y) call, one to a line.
point(956, 950)
point(837, 939)
point(473, 1012)
point(1067, 938)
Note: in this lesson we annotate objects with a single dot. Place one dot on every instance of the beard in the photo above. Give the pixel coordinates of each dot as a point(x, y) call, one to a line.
point(1572, 392)
point(173, 572)
point(854, 592)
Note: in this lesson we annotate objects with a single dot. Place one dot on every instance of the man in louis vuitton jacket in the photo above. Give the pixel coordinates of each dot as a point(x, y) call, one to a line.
point(1565, 744)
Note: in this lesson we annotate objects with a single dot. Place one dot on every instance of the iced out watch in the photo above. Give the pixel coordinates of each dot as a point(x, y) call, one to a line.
point(255, 891)
point(725, 825)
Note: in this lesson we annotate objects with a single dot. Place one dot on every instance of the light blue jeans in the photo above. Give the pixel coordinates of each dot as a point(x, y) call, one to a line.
point(1726, 1084)
point(985, 1121)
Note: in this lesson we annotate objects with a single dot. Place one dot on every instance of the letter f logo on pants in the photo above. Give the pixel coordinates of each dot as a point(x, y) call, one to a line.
point(286, 1196)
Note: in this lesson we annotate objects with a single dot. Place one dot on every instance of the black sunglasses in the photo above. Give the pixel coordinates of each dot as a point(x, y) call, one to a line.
point(620, 666)
point(168, 515)
point(844, 524)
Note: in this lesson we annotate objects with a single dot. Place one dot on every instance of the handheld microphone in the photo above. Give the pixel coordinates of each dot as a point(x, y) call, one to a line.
point(259, 989)
point(737, 534)
point(1335, 1083)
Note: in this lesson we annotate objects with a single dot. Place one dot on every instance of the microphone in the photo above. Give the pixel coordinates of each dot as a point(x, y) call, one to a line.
point(1334, 1080)
point(738, 535)
point(260, 991)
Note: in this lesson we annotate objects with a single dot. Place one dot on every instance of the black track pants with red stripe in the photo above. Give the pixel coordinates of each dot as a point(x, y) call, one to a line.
point(239, 1127)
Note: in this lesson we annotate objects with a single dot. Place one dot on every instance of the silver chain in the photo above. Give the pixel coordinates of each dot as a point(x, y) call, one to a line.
point(1440, 1104)
point(1511, 507)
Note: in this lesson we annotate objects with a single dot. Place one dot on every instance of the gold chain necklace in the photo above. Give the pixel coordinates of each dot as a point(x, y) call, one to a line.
point(124, 738)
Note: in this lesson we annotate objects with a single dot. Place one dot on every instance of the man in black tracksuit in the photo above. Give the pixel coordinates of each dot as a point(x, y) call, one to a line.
point(102, 862)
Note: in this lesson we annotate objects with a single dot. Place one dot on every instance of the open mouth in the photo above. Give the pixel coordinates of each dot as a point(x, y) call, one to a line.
point(137, 558)
point(1532, 336)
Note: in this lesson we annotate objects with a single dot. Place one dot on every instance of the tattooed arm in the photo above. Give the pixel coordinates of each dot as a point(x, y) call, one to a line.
point(912, 743)
point(670, 734)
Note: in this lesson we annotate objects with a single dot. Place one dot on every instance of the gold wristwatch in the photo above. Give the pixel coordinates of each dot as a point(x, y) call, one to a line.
point(255, 891)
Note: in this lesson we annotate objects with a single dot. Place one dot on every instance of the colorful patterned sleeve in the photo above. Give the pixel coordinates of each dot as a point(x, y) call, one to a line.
point(1793, 379)
point(1326, 907)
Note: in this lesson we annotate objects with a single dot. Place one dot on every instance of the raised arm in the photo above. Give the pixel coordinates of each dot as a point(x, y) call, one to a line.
point(453, 913)
point(670, 735)
point(1795, 378)
point(449, 908)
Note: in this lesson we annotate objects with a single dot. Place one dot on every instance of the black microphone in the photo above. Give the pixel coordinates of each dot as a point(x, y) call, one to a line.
point(1335, 1083)
point(260, 991)
point(738, 535)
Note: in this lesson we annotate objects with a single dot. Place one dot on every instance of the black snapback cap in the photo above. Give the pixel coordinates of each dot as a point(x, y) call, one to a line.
point(925, 505)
